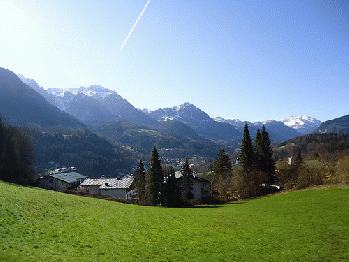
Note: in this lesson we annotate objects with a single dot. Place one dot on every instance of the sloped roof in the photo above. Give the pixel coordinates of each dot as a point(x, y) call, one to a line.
point(69, 178)
point(109, 183)
point(178, 175)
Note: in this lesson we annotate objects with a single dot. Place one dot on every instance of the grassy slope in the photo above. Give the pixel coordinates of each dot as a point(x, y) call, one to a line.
point(43, 225)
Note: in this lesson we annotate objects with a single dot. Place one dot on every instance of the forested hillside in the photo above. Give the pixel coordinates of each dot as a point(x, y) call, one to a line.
point(91, 154)
point(315, 145)
point(174, 139)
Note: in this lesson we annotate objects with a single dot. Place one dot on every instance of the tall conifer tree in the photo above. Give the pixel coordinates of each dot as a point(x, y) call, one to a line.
point(222, 164)
point(155, 179)
point(247, 161)
point(268, 163)
point(187, 181)
point(247, 152)
point(260, 159)
point(140, 182)
point(222, 175)
point(172, 189)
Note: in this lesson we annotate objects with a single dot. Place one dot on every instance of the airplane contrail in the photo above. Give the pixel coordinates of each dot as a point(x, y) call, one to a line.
point(134, 25)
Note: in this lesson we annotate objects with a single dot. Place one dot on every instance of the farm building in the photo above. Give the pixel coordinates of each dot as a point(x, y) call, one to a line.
point(117, 187)
point(61, 181)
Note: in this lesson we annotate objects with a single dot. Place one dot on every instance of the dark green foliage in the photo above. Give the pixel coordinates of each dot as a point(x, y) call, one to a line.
point(222, 174)
point(247, 151)
point(324, 146)
point(187, 181)
point(155, 179)
point(140, 182)
point(172, 188)
point(247, 160)
point(257, 163)
point(222, 164)
point(177, 129)
point(267, 165)
point(91, 154)
point(338, 125)
point(258, 152)
point(16, 156)
point(181, 139)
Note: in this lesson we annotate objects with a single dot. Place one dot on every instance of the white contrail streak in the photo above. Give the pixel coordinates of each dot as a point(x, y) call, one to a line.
point(133, 28)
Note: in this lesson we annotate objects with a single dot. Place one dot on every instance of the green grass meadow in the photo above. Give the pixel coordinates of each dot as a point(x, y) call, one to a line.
point(40, 225)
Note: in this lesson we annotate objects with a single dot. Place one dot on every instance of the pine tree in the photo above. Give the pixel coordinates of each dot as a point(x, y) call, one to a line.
point(222, 164)
point(155, 179)
point(140, 182)
point(222, 174)
point(247, 152)
point(187, 181)
point(258, 151)
point(268, 163)
point(172, 189)
point(247, 160)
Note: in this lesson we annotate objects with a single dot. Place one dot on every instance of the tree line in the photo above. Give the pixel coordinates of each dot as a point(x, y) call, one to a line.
point(158, 184)
point(254, 175)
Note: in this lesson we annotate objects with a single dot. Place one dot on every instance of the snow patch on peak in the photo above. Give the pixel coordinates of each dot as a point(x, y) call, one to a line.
point(303, 124)
point(298, 121)
point(219, 119)
point(186, 105)
point(145, 110)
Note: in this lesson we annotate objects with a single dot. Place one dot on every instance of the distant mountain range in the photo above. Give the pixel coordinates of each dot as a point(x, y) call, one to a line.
point(97, 104)
point(177, 132)
point(94, 104)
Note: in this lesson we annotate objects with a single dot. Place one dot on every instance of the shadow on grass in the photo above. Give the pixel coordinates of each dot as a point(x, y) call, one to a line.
point(238, 203)
point(202, 206)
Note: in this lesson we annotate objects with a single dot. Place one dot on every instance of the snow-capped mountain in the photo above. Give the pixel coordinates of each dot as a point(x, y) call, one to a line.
point(95, 91)
point(185, 113)
point(91, 104)
point(96, 104)
point(196, 119)
point(303, 124)
point(277, 130)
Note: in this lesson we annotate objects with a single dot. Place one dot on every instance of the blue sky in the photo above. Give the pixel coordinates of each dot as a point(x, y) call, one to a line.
point(247, 60)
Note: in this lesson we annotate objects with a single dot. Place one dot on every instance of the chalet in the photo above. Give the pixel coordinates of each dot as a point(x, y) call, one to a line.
point(61, 181)
point(117, 187)
point(201, 187)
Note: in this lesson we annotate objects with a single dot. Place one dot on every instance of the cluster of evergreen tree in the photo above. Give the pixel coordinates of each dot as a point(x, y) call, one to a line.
point(159, 185)
point(16, 156)
point(257, 161)
point(222, 178)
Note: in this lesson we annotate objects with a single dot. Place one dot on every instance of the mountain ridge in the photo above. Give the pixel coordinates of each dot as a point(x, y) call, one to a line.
point(96, 104)
point(21, 105)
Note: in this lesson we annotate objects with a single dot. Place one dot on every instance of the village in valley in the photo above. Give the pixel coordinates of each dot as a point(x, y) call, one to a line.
point(121, 186)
